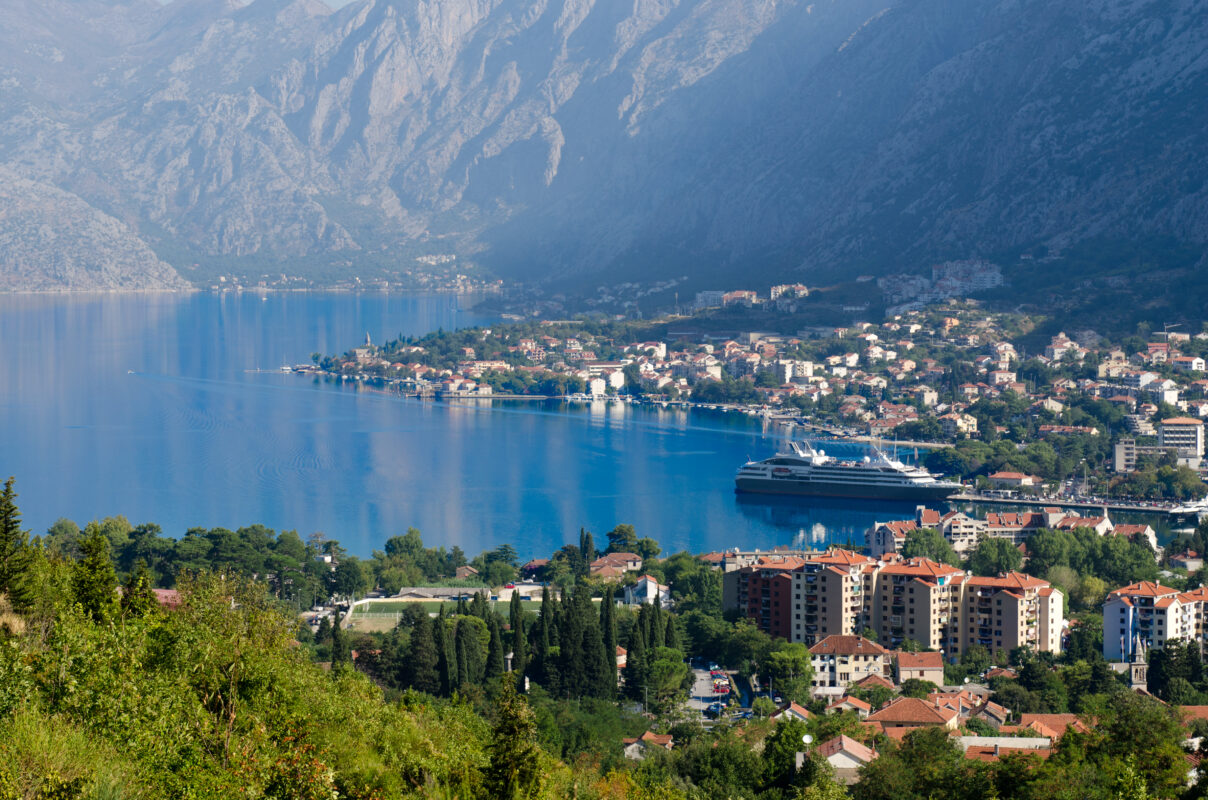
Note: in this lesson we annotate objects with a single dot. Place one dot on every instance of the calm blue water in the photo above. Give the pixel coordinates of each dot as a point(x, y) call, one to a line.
point(194, 438)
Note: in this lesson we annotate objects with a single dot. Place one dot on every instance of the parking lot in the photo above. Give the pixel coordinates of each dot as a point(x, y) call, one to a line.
point(703, 692)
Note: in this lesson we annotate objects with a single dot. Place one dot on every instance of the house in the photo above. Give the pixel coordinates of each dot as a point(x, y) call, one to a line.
point(1013, 480)
point(1053, 726)
point(993, 748)
point(635, 749)
point(846, 756)
point(923, 666)
point(874, 682)
point(1189, 560)
point(534, 566)
point(167, 598)
point(792, 711)
point(911, 712)
point(647, 590)
point(622, 657)
point(993, 713)
point(466, 572)
point(849, 703)
point(622, 562)
point(841, 660)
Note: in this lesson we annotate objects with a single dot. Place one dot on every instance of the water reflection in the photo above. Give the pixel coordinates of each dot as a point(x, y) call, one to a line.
point(821, 521)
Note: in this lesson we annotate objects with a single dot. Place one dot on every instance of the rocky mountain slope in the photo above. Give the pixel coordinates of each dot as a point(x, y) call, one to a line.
point(567, 140)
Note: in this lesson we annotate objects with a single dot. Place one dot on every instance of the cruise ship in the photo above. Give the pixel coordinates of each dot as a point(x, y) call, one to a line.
point(805, 471)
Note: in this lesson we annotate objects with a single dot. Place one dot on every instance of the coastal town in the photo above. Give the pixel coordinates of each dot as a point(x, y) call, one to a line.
point(991, 400)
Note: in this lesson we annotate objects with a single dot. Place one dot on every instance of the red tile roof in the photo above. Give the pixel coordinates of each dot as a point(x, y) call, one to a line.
point(912, 711)
point(846, 744)
point(847, 645)
point(920, 660)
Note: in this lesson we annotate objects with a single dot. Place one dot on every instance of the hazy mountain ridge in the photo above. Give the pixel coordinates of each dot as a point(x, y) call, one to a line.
point(560, 139)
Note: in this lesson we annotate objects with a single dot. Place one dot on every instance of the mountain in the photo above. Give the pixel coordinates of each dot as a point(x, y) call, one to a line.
point(571, 142)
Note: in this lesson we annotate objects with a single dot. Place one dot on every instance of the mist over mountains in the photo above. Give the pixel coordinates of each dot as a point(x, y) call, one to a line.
point(578, 141)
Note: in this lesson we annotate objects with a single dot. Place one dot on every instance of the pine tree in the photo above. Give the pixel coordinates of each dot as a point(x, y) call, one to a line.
point(138, 598)
point(341, 650)
point(15, 554)
point(93, 579)
point(420, 664)
point(495, 660)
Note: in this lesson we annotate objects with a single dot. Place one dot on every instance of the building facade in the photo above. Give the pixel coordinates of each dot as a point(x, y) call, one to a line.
point(841, 593)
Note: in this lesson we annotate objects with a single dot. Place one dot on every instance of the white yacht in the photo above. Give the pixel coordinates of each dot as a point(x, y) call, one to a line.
point(803, 470)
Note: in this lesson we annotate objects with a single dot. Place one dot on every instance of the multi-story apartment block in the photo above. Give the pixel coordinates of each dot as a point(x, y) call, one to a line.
point(840, 593)
point(1011, 611)
point(1186, 435)
point(917, 599)
point(1147, 615)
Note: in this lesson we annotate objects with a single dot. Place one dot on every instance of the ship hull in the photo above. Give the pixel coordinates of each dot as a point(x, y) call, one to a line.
point(808, 488)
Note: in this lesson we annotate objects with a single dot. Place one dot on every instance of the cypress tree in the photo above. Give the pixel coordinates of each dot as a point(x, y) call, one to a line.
point(587, 546)
point(672, 638)
point(468, 650)
point(519, 639)
point(658, 626)
point(323, 635)
point(495, 660)
point(635, 664)
point(600, 678)
point(462, 608)
point(420, 667)
point(446, 656)
point(462, 655)
point(14, 551)
point(341, 650)
point(93, 579)
point(479, 607)
point(608, 632)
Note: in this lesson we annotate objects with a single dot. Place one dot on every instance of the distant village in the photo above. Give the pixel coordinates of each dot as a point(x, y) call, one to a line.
point(936, 376)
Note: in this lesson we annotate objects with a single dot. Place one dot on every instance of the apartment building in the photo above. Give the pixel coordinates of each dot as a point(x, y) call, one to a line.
point(917, 599)
point(1010, 611)
point(1186, 435)
point(840, 593)
point(1145, 615)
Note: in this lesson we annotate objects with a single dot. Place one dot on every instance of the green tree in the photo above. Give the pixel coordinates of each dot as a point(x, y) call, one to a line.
point(790, 671)
point(138, 596)
point(514, 771)
point(519, 640)
point(422, 660)
point(14, 550)
point(341, 650)
point(495, 660)
point(929, 543)
point(993, 556)
point(622, 539)
point(94, 582)
point(915, 687)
